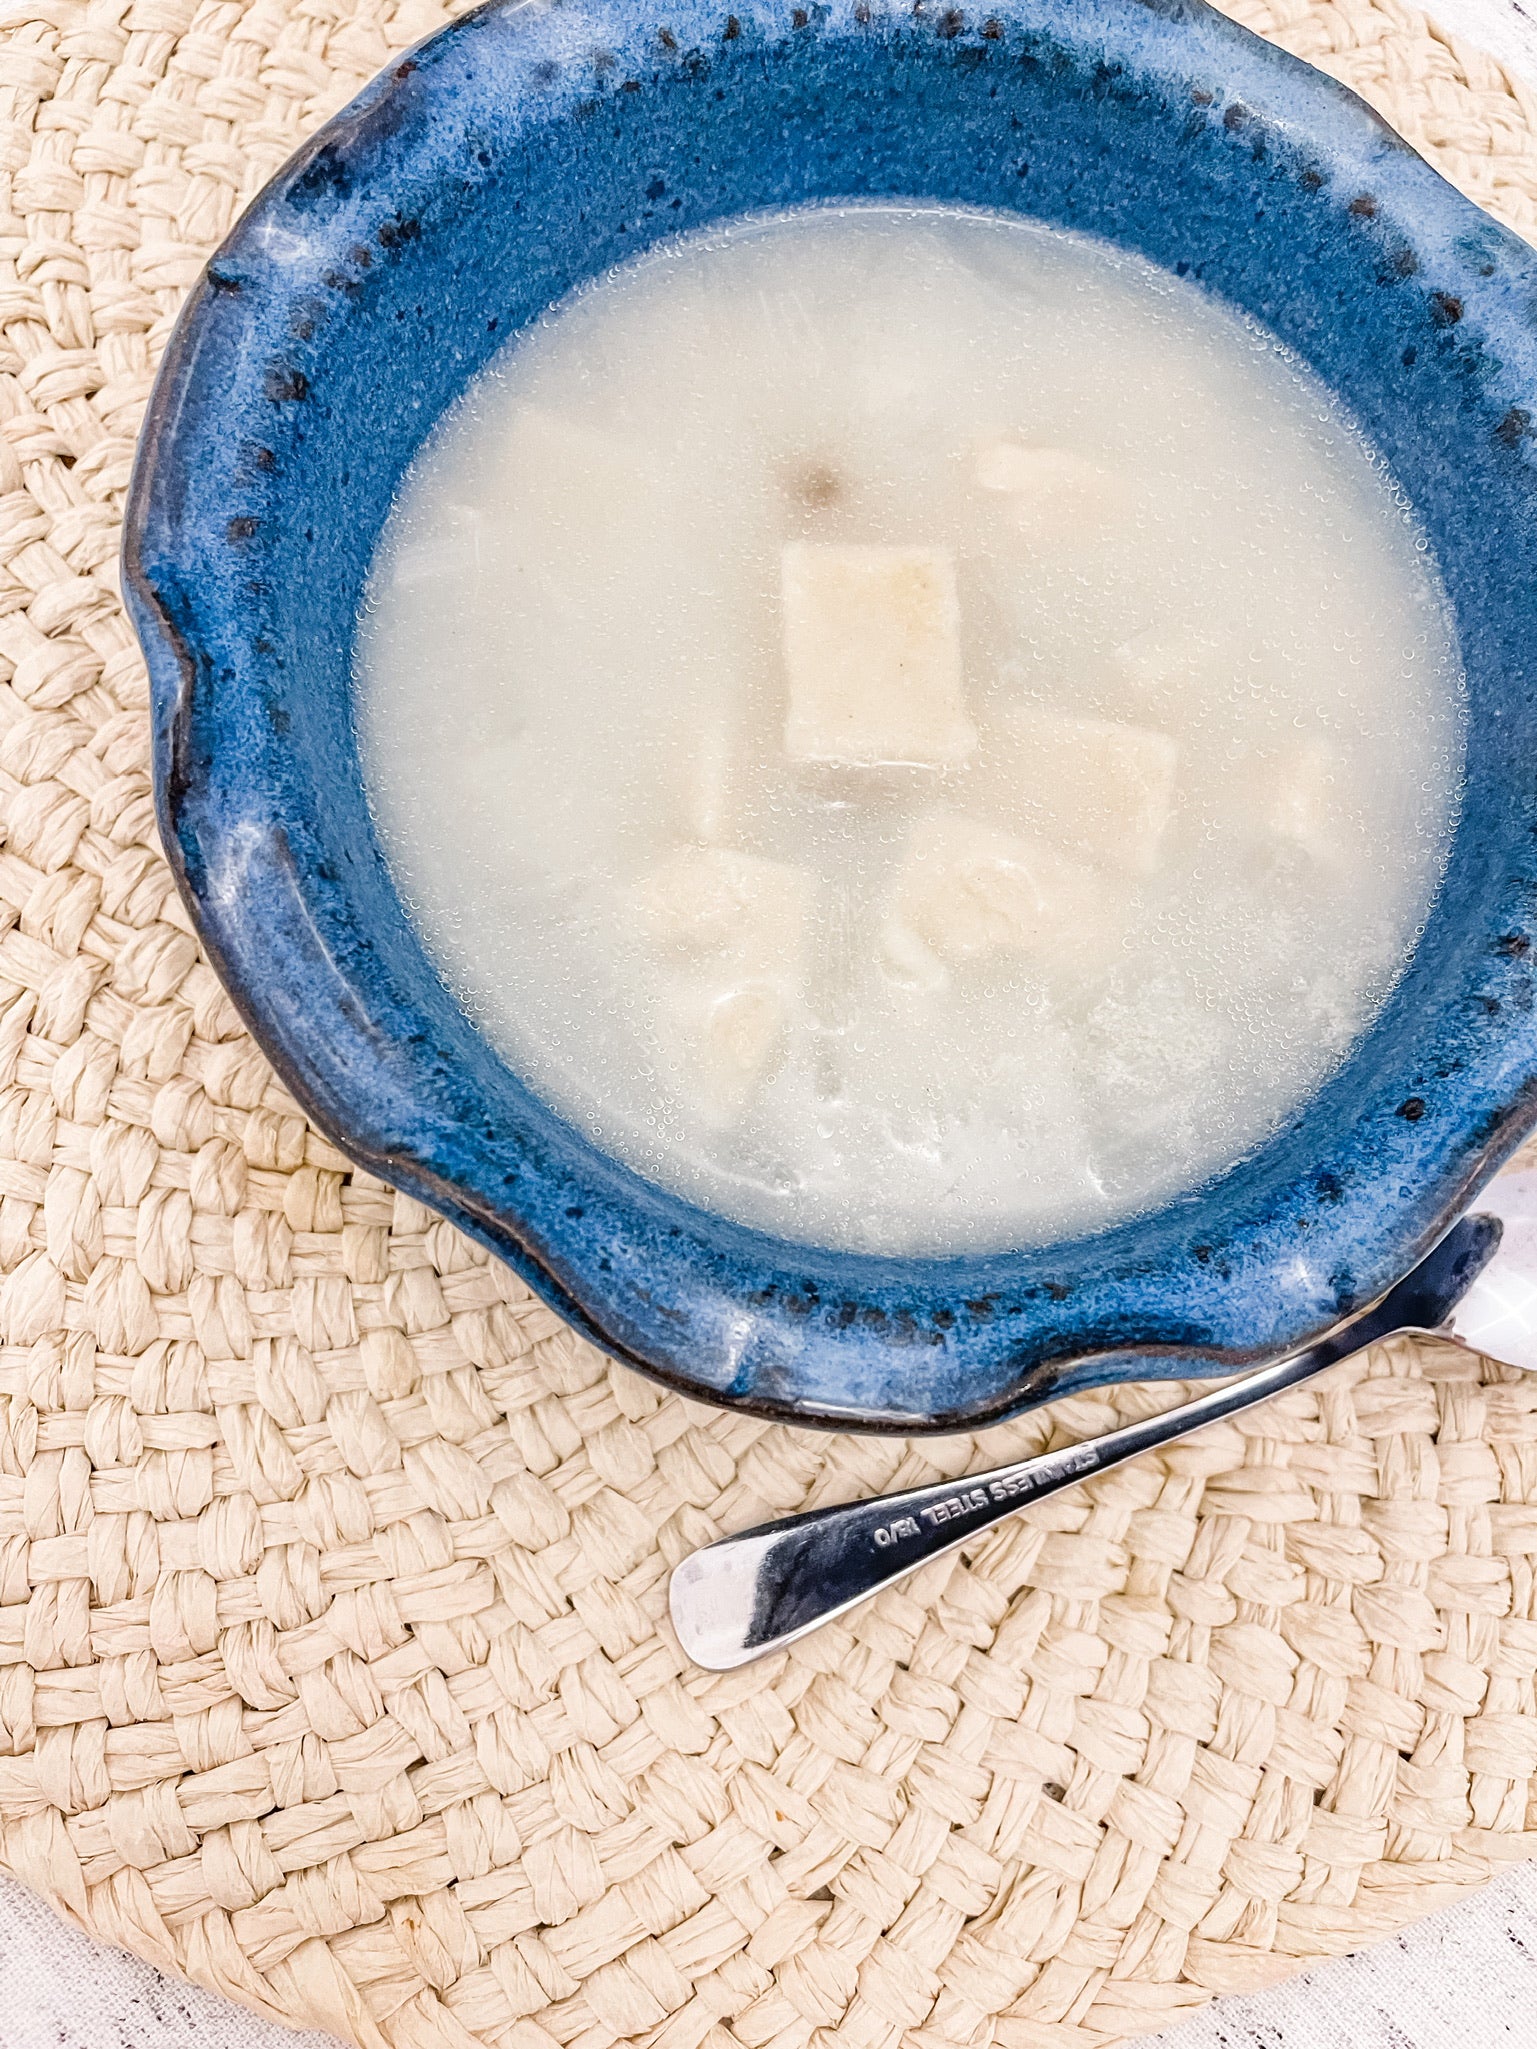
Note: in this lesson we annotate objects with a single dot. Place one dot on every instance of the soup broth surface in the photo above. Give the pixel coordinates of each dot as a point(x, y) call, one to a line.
point(915, 730)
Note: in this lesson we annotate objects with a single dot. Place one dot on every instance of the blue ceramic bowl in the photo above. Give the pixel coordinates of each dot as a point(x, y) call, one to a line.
point(528, 148)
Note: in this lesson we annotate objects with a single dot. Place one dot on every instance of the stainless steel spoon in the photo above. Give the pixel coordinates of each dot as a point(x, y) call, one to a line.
point(753, 1593)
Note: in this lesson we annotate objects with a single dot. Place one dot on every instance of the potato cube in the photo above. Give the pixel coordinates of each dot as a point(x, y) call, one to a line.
point(572, 479)
point(967, 890)
point(1170, 667)
point(1052, 490)
point(1102, 787)
point(731, 929)
point(452, 547)
point(873, 657)
point(714, 905)
point(706, 766)
point(582, 519)
point(1297, 797)
point(723, 1044)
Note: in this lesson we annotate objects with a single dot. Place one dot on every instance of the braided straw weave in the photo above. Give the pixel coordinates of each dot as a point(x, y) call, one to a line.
point(334, 1670)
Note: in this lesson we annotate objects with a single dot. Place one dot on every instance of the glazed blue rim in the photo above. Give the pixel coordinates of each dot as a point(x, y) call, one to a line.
point(519, 152)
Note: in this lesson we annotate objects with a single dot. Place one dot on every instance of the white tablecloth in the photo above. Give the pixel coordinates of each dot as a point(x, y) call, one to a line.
point(1507, 29)
point(1464, 1979)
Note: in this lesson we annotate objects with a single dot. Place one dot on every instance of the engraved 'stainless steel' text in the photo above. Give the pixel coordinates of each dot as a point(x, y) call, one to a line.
point(1006, 1487)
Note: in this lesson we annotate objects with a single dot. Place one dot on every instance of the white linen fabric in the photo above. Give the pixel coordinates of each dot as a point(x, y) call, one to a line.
point(1466, 1978)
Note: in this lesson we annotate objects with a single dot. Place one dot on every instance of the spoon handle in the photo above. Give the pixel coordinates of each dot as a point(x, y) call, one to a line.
point(753, 1593)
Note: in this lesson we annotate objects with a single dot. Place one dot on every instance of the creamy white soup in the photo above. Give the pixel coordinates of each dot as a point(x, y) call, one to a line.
point(915, 730)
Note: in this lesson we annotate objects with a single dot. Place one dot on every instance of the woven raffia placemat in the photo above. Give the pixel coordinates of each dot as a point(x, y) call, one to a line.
point(333, 1668)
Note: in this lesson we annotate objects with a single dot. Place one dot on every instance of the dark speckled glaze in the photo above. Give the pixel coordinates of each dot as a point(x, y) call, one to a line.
point(527, 148)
